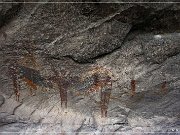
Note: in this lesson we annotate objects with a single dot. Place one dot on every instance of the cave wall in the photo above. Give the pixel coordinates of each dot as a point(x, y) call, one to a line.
point(54, 45)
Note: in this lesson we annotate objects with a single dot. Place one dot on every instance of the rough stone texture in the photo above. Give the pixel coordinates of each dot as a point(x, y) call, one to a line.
point(135, 41)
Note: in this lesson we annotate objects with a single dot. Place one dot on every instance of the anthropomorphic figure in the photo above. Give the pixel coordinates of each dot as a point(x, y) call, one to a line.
point(133, 87)
point(30, 76)
point(29, 68)
point(13, 72)
point(164, 87)
point(102, 82)
point(62, 83)
point(105, 96)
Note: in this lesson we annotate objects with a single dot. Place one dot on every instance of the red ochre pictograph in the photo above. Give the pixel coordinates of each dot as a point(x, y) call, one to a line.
point(102, 80)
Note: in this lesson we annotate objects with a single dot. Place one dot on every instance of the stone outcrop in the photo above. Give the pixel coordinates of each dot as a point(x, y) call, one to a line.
point(76, 51)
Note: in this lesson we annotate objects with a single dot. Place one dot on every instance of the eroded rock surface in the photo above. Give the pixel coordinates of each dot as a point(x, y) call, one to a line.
point(57, 53)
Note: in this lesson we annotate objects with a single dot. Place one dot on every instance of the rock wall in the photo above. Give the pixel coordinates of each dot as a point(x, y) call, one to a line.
point(65, 65)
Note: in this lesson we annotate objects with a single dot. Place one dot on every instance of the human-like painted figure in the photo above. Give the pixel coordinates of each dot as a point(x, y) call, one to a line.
point(62, 83)
point(14, 75)
point(103, 79)
point(133, 88)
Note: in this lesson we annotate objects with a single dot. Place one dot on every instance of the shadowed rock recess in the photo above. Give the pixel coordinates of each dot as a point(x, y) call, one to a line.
point(94, 67)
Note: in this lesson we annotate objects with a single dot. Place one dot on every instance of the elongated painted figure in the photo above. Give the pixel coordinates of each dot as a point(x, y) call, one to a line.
point(13, 72)
point(133, 88)
point(105, 96)
point(61, 82)
point(30, 76)
point(164, 87)
point(103, 83)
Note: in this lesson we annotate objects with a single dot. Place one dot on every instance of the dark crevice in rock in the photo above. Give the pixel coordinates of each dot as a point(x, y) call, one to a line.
point(118, 128)
point(97, 10)
point(161, 62)
point(165, 20)
point(134, 15)
point(80, 61)
point(52, 108)
point(177, 52)
point(80, 128)
point(10, 14)
point(14, 110)
point(121, 123)
point(2, 100)
point(49, 57)
point(65, 57)
point(7, 123)
point(83, 61)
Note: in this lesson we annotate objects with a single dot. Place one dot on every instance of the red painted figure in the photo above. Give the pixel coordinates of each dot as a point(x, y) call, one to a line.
point(13, 71)
point(105, 87)
point(103, 79)
point(62, 84)
point(133, 87)
point(105, 96)
point(164, 87)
